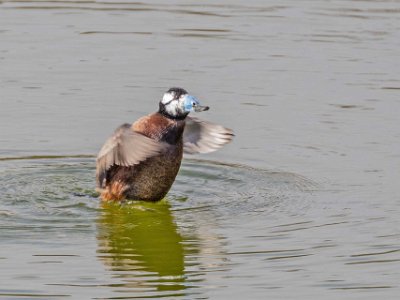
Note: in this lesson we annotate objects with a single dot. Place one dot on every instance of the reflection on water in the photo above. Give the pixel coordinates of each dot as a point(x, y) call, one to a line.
point(140, 244)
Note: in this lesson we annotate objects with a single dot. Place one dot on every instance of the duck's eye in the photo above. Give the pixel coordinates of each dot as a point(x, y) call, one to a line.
point(193, 103)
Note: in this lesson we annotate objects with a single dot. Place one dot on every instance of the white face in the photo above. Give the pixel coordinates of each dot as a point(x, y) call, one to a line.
point(168, 97)
point(173, 106)
point(178, 103)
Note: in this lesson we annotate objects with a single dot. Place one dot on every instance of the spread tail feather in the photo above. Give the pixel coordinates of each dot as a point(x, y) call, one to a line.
point(114, 192)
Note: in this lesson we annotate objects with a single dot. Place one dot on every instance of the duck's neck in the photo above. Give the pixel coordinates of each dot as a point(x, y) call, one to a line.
point(173, 133)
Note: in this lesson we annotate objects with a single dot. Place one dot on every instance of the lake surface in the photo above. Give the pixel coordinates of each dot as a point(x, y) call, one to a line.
point(304, 204)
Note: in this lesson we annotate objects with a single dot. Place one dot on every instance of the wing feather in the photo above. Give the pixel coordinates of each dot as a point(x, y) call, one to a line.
point(202, 136)
point(125, 148)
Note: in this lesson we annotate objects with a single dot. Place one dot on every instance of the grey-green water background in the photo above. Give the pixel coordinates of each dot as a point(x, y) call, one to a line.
point(304, 204)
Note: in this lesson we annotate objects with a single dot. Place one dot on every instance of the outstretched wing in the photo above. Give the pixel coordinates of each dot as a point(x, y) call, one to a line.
point(125, 148)
point(202, 136)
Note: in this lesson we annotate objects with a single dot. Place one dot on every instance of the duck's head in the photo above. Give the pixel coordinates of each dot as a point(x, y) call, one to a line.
point(177, 104)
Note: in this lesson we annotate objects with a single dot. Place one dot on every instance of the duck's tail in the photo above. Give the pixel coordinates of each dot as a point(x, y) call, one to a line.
point(114, 192)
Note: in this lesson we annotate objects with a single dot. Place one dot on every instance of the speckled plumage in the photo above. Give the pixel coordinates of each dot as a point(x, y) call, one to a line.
point(141, 161)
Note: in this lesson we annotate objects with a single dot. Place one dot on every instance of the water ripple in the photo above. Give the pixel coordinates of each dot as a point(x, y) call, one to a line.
point(53, 196)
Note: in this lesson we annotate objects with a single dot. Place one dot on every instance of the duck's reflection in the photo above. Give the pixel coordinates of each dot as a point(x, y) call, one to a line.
point(141, 245)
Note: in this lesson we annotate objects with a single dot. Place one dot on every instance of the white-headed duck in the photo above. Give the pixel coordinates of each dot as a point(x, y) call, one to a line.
point(141, 160)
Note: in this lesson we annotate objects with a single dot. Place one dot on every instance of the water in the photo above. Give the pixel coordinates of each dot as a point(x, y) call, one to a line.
point(303, 204)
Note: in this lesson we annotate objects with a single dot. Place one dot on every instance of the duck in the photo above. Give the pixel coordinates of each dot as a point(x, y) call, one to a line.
point(140, 161)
